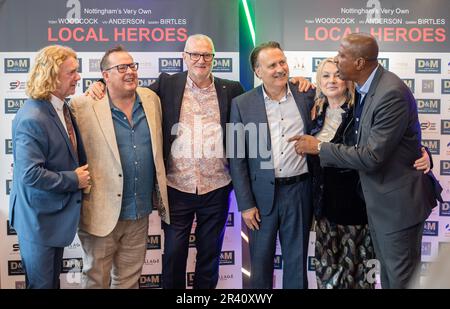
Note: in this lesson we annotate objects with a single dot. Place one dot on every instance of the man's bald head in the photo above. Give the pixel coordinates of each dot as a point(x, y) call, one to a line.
point(361, 45)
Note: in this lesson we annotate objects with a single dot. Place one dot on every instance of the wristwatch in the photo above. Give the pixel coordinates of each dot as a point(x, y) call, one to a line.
point(318, 146)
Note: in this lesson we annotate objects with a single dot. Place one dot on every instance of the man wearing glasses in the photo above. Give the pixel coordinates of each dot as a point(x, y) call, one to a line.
point(122, 132)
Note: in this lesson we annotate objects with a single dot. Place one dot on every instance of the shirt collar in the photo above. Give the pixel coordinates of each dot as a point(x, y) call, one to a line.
point(364, 89)
point(267, 98)
point(56, 102)
point(135, 104)
point(190, 83)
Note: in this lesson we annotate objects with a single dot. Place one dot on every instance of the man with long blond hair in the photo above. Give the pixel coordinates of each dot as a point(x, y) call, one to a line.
point(49, 167)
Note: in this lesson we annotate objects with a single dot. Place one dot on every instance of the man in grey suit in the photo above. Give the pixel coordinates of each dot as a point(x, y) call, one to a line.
point(270, 180)
point(398, 197)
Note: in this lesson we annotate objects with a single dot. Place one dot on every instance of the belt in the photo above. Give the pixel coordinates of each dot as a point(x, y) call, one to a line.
point(291, 180)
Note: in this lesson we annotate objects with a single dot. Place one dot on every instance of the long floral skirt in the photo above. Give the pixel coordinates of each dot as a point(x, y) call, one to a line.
point(343, 256)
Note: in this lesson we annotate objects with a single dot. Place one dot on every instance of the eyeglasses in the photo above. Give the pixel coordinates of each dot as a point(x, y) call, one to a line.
point(122, 68)
point(196, 56)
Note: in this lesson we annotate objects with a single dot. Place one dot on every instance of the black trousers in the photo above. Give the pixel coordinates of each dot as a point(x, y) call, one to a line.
point(211, 211)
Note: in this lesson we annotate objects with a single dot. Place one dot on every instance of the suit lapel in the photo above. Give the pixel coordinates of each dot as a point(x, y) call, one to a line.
point(61, 128)
point(103, 113)
point(180, 84)
point(222, 97)
point(260, 110)
point(150, 115)
point(302, 108)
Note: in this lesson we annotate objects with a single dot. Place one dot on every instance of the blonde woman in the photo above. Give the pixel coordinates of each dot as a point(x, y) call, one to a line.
point(344, 248)
point(48, 156)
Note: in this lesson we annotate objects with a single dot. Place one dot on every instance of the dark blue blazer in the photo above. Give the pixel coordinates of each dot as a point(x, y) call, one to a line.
point(45, 200)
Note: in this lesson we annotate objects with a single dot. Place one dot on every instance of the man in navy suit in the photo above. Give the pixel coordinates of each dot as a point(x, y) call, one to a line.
point(271, 182)
point(48, 168)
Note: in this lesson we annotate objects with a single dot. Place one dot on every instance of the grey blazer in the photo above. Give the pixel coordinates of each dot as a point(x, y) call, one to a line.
point(255, 186)
point(388, 143)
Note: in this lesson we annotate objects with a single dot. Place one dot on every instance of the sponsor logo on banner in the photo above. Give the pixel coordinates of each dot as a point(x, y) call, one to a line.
point(72, 265)
point(74, 246)
point(13, 105)
point(171, 65)
point(8, 186)
point(192, 241)
point(154, 242)
point(445, 126)
point(443, 246)
point(445, 167)
point(410, 82)
point(20, 285)
point(226, 258)
point(433, 145)
point(225, 277)
point(445, 86)
point(222, 65)
point(15, 268)
point(190, 279)
point(311, 263)
point(424, 266)
point(94, 65)
point(315, 62)
point(146, 82)
point(384, 62)
point(431, 228)
point(428, 106)
point(428, 127)
point(151, 262)
point(426, 248)
point(448, 149)
point(8, 146)
point(17, 85)
point(428, 85)
point(230, 220)
point(17, 65)
point(150, 281)
point(87, 82)
point(80, 65)
point(278, 261)
point(424, 65)
point(9, 229)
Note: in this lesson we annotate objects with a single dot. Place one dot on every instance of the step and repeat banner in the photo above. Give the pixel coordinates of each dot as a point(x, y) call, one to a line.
point(155, 33)
point(414, 43)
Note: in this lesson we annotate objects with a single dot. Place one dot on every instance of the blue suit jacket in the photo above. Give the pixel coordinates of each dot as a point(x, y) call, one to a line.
point(45, 200)
point(254, 186)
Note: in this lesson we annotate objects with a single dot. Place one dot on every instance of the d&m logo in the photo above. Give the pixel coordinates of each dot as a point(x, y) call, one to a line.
point(80, 65)
point(154, 242)
point(311, 263)
point(445, 126)
point(444, 209)
point(424, 65)
point(429, 106)
point(433, 145)
point(146, 82)
point(72, 265)
point(428, 126)
point(15, 268)
point(8, 186)
point(9, 229)
point(431, 228)
point(426, 248)
point(445, 86)
point(315, 62)
point(17, 65)
point(278, 262)
point(170, 65)
point(87, 82)
point(150, 281)
point(222, 65)
point(384, 62)
point(410, 82)
point(428, 85)
point(190, 279)
point(8, 146)
point(192, 241)
point(445, 167)
point(13, 105)
point(230, 220)
point(227, 258)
